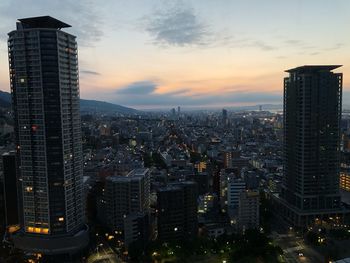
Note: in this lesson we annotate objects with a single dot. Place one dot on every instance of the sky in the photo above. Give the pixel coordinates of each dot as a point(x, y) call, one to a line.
point(151, 54)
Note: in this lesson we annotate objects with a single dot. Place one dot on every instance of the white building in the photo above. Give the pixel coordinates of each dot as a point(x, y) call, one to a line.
point(234, 189)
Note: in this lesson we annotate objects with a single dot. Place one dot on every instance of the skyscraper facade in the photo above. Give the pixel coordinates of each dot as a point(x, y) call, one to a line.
point(44, 83)
point(312, 113)
point(10, 190)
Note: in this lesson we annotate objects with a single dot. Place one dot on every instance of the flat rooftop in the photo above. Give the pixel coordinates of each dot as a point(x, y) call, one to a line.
point(308, 68)
point(42, 22)
point(345, 260)
point(135, 174)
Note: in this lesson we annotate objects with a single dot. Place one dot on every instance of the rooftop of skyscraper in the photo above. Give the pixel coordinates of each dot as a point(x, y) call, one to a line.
point(313, 68)
point(42, 22)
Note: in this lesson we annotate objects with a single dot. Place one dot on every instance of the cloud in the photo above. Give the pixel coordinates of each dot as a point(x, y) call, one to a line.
point(89, 72)
point(180, 26)
point(144, 94)
point(177, 26)
point(138, 88)
point(179, 92)
point(293, 42)
point(83, 15)
point(314, 53)
point(334, 47)
point(281, 57)
point(262, 45)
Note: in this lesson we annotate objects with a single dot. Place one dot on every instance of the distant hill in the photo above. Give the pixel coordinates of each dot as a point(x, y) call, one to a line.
point(4, 104)
point(5, 99)
point(102, 106)
point(85, 105)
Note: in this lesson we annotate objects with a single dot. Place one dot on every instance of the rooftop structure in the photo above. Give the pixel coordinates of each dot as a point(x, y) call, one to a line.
point(42, 22)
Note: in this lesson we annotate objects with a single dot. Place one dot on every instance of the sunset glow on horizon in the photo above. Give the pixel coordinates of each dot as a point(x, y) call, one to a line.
point(160, 54)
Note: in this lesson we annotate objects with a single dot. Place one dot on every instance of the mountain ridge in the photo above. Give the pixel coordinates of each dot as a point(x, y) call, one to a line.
point(85, 105)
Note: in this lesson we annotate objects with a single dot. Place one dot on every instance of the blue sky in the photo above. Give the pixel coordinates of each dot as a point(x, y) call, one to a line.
point(148, 54)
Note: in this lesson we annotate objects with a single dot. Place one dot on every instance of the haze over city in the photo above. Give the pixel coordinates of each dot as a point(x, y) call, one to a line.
point(160, 54)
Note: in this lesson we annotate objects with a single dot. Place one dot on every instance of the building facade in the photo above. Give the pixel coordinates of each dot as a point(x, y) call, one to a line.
point(234, 189)
point(312, 113)
point(177, 211)
point(345, 171)
point(137, 228)
point(125, 195)
point(10, 191)
point(248, 210)
point(44, 83)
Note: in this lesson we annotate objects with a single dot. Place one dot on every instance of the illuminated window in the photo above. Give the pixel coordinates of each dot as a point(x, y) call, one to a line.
point(30, 229)
point(61, 219)
point(38, 230)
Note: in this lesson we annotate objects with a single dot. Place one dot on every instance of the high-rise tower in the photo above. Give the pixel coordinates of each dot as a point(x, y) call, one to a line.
point(224, 117)
point(312, 113)
point(45, 96)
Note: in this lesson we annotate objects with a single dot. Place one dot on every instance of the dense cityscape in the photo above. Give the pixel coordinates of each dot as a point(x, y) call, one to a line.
point(85, 181)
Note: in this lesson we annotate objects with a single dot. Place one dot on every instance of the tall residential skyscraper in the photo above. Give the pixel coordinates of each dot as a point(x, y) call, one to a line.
point(44, 83)
point(312, 113)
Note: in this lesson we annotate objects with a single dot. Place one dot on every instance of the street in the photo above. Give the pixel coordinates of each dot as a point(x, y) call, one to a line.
point(295, 250)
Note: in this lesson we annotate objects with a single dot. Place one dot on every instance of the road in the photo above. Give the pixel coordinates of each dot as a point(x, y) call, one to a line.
point(293, 246)
point(104, 254)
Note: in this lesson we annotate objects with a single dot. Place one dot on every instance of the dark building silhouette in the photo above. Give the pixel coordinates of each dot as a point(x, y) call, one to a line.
point(2, 208)
point(312, 112)
point(224, 117)
point(137, 228)
point(10, 189)
point(177, 211)
point(45, 97)
point(202, 180)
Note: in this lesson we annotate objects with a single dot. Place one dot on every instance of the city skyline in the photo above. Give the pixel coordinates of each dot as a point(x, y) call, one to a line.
point(240, 151)
point(192, 53)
